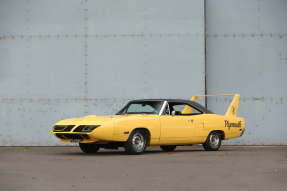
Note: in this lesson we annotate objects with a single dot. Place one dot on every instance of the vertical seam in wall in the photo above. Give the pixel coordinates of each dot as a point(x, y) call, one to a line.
point(205, 52)
point(86, 58)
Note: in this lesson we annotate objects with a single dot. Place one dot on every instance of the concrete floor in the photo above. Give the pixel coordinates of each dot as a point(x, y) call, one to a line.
point(186, 168)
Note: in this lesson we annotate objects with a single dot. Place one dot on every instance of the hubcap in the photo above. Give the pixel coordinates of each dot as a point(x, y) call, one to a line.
point(138, 141)
point(214, 140)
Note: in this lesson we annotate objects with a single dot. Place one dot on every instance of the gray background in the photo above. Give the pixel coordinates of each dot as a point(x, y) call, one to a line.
point(71, 58)
point(247, 54)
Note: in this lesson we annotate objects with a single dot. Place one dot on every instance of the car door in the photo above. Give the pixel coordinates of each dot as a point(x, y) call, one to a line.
point(178, 128)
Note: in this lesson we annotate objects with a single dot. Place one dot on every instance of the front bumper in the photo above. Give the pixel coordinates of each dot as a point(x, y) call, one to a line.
point(72, 136)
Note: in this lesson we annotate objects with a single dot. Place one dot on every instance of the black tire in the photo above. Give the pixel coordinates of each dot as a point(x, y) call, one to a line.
point(168, 148)
point(136, 144)
point(89, 148)
point(212, 142)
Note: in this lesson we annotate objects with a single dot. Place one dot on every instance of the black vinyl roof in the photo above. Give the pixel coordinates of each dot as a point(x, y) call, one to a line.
point(188, 102)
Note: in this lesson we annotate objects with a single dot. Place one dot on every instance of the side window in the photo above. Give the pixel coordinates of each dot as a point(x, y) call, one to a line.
point(195, 111)
point(140, 108)
point(179, 107)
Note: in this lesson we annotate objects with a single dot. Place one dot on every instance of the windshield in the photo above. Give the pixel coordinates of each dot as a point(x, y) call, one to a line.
point(147, 107)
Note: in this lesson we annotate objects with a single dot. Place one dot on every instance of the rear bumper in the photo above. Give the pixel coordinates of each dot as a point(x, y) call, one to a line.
point(242, 132)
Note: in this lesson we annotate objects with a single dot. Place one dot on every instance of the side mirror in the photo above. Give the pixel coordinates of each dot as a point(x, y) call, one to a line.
point(173, 113)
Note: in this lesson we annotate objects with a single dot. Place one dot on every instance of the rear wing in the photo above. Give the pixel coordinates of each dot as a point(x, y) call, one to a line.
point(232, 110)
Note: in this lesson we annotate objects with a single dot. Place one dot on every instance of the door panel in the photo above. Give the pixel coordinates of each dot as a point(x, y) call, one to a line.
point(176, 129)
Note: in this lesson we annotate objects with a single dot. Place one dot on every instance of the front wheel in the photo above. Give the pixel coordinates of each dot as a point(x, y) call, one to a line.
point(136, 144)
point(212, 142)
point(168, 148)
point(89, 148)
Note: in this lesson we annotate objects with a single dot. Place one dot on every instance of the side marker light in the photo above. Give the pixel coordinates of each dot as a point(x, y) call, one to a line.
point(126, 132)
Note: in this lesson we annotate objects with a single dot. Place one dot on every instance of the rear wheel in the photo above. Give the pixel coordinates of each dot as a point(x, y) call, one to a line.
point(212, 142)
point(89, 148)
point(136, 144)
point(168, 148)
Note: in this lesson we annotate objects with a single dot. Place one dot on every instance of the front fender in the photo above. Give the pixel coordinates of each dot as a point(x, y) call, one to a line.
point(104, 133)
point(149, 122)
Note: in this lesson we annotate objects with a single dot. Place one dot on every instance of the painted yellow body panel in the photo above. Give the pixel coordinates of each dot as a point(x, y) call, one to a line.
point(176, 129)
point(160, 130)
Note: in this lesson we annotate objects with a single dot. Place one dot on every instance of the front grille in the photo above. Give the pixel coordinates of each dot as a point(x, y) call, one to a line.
point(60, 136)
point(86, 136)
point(80, 128)
point(63, 128)
point(72, 136)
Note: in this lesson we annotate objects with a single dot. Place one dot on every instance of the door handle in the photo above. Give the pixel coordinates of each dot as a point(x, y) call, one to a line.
point(191, 120)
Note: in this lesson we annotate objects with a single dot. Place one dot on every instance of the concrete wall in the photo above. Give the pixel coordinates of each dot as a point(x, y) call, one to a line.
point(247, 54)
point(71, 58)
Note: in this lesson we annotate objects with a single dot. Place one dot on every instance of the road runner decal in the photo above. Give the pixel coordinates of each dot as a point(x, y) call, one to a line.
point(233, 110)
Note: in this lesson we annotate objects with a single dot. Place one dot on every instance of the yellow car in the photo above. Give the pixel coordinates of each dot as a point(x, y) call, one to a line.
point(167, 123)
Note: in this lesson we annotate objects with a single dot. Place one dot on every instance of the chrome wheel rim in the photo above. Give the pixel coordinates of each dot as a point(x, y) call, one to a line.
point(138, 141)
point(214, 140)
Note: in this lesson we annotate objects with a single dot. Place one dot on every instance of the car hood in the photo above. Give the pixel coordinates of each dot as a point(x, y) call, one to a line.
point(91, 119)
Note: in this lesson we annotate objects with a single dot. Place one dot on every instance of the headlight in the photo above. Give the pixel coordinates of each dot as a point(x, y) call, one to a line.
point(85, 128)
point(90, 128)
